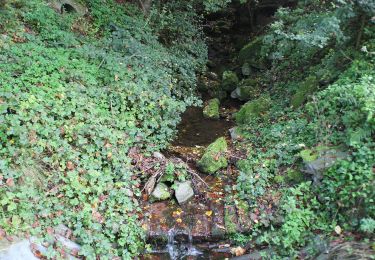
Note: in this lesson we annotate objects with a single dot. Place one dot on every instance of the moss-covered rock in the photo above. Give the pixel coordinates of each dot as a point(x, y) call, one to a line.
point(214, 157)
point(308, 87)
point(247, 89)
point(250, 53)
point(253, 109)
point(229, 81)
point(161, 192)
point(279, 179)
point(294, 176)
point(211, 110)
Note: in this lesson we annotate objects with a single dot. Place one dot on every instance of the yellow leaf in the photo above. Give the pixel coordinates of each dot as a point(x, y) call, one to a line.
point(209, 213)
point(178, 220)
point(338, 230)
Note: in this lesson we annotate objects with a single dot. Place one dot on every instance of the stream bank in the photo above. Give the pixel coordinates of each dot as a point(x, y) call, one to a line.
point(199, 228)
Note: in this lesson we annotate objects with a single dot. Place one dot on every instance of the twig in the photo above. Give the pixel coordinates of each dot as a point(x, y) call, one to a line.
point(199, 177)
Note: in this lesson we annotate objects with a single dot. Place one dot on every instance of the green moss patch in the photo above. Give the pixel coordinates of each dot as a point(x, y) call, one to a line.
point(211, 110)
point(214, 157)
point(253, 109)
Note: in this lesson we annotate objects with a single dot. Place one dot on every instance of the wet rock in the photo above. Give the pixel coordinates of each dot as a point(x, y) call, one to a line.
point(161, 192)
point(248, 89)
point(250, 54)
point(256, 255)
point(348, 250)
point(184, 191)
point(253, 109)
point(233, 134)
point(214, 157)
point(230, 81)
point(211, 110)
point(218, 93)
point(246, 70)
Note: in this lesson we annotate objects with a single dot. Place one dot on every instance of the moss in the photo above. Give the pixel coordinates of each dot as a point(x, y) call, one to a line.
point(211, 110)
point(294, 176)
point(253, 109)
point(308, 155)
point(308, 87)
point(279, 179)
point(229, 222)
point(247, 89)
point(251, 53)
point(161, 192)
point(230, 81)
point(214, 157)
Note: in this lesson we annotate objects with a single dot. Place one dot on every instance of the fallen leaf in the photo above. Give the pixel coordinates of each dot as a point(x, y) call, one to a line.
point(10, 182)
point(208, 213)
point(338, 230)
point(70, 166)
point(238, 251)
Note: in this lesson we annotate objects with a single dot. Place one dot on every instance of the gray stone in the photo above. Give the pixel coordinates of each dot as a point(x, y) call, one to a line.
point(184, 191)
point(18, 250)
point(256, 255)
point(161, 192)
point(68, 244)
point(246, 70)
point(233, 134)
point(158, 155)
point(69, 5)
point(317, 245)
point(325, 160)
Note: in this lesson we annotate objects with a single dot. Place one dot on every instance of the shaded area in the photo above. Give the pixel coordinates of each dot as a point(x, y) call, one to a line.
point(195, 129)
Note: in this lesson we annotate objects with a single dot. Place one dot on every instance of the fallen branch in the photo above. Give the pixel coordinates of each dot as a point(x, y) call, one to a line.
point(199, 177)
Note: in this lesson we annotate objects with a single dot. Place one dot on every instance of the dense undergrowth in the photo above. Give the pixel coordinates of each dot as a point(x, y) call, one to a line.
point(319, 61)
point(76, 94)
point(79, 92)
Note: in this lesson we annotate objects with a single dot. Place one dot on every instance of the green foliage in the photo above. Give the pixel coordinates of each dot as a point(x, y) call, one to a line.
point(76, 94)
point(348, 187)
point(316, 64)
point(308, 87)
point(298, 208)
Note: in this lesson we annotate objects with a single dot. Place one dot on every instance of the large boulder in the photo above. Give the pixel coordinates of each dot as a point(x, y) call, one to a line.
point(161, 192)
point(308, 87)
point(214, 157)
point(211, 110)
point(247, 89)
point(319, 159)
point(69, 6)
point(229, 81)
point(253, 109)
point(251, 54)
point(183, 191)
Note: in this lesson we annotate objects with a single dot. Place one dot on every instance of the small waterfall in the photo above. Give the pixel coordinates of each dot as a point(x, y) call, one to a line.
point(178, 250)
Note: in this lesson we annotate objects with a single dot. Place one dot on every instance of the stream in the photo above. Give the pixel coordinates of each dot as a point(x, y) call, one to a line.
point(196, 229)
